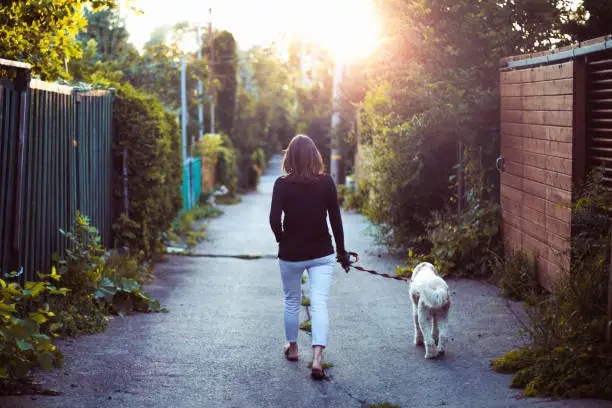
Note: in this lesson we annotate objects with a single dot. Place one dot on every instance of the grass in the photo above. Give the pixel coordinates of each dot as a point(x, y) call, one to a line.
point(323, 364)
point(228, 200)
point(306, 326)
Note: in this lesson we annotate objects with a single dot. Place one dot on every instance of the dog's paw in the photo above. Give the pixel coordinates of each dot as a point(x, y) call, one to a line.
point(441, 353)
point(430, 352)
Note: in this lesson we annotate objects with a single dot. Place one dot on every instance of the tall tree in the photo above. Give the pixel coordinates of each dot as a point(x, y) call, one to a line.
point(593, 18)
point(226, 73)
point(43, 33)
point(434, 83)
point(107, 53)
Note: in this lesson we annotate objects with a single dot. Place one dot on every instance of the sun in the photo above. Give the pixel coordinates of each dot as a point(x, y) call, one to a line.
point(348, 28)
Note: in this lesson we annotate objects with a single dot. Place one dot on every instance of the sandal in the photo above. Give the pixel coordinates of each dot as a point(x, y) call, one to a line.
point(318, 374)
point(290, 358)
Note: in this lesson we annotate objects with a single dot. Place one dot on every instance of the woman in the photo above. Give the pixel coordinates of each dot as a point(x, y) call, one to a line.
point(306, 195)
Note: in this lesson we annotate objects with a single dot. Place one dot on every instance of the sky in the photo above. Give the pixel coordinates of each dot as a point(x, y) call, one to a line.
point(258, 22)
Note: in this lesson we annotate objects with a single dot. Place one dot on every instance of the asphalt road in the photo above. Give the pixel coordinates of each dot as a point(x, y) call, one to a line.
point(220, 345)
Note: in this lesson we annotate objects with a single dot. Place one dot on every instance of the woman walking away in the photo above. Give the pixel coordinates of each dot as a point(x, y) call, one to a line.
point(306, 195)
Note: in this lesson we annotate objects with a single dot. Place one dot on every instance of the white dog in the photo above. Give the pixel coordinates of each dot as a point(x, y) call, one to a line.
point(430, 307)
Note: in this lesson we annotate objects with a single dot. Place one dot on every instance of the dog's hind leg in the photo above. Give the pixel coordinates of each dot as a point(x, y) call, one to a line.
point(434, 331)
point(418, 334)
point(426, 323)
point(442, 320)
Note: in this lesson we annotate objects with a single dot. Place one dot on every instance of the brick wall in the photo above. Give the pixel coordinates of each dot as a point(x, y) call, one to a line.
point(536, 143)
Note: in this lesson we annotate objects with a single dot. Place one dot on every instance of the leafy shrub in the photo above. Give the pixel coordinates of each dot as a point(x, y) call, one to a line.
point(186, 229)
point(256, 168)
point(357, 199)
point(152, 139)
point(515, 274)
point(98, 284)
point(27, 326)
point(259, 159)
point(567, 355)
point(81, 272)
point(462, 244)
point(227, 166)
point(227, 199)
point(342, 190)
point(209, 145)
point(203, 212)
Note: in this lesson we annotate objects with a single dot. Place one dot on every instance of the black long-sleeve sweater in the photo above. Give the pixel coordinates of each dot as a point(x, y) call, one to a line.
point(303, 233)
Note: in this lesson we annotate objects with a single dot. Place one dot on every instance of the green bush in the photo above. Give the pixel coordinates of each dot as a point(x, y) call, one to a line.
point(567, 355)
point(258, 157)
point(357, 199)
point(516, 274)
point(152, 138)
point(27, 326)
point(227, 166)
point(462, 244)
point(98, 284)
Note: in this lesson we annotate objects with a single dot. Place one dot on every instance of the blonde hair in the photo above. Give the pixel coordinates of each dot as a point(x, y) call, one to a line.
point(303, 161)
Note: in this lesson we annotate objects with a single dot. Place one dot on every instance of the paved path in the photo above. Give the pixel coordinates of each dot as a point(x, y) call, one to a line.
point(220, 344)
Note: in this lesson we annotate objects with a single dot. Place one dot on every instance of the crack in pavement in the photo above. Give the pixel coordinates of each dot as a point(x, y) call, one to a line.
point(246, 257)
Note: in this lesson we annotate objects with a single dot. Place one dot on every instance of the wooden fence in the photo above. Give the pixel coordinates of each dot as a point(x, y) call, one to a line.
point(55, 147)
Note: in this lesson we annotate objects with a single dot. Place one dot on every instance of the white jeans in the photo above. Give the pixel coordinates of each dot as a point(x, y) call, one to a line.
point(320, 271)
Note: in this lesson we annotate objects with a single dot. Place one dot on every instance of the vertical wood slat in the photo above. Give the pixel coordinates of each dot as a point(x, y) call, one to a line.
point(7, 191)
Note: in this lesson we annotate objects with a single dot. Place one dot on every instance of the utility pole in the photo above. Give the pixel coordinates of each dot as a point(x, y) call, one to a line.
point(211, 62)
point(186, 161)
point(335, 122)
point(184, 107)
point(200, 89)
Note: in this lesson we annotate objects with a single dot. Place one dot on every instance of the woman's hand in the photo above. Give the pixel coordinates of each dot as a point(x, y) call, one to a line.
point(344, 259)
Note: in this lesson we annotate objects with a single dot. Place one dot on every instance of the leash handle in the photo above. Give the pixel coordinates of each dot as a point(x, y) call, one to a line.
point(355, 255)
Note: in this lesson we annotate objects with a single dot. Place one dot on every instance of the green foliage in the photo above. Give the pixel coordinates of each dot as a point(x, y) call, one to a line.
point(354, 199)
point(567, 355)
point(210, 145)
point(227, 166)
point(205, 212)
point(27, 326)
point(591, 19)
point(225, 72)
point(516, 274)
point(462, 244)
point(258, 157)
point(306, 326)
point(431, 89)
point(106, 50)
point(324, 364)
point(306, 302)
point(152, 139)
point(383, 405)
point(227, 200)
point(43, 33)
point(98, 283)
point(186, 227)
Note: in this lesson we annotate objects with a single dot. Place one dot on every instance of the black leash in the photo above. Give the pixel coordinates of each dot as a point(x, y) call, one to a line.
point(373, 272)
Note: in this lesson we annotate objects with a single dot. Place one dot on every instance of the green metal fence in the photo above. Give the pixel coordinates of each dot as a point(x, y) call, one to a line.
point(192, 183)
point(55, 147)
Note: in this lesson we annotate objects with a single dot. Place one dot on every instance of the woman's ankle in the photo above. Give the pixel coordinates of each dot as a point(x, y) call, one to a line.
point(317, 354)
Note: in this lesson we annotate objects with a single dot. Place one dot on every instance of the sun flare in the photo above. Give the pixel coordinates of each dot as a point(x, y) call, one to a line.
point(349, 28)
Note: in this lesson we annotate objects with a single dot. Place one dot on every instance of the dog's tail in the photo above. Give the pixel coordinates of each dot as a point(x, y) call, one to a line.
point(436, 298)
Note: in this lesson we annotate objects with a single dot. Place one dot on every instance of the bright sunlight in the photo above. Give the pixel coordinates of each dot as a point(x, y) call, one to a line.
point(349, 28)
